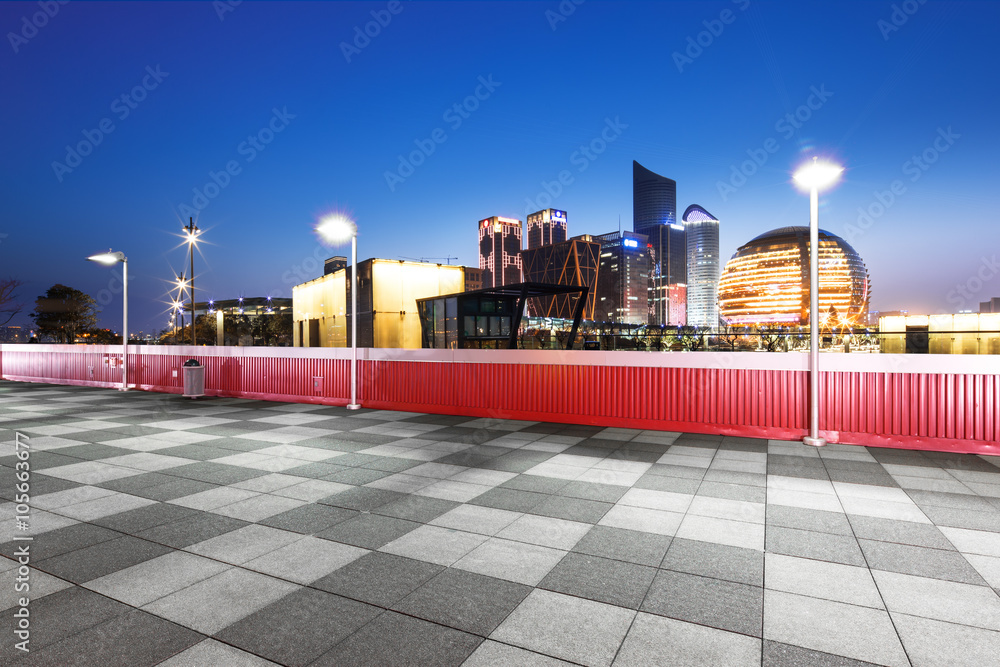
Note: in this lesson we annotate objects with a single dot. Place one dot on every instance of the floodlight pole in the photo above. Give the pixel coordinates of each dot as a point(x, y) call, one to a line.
point(813, 438)
point(191, 230)
point(353, 405)
point(124, 324)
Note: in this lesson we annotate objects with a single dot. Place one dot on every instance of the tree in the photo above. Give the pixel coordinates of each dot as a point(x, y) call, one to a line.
point(9, 307)
point(63, 313)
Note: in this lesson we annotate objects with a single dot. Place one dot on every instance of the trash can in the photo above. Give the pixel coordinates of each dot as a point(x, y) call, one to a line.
point(194, 379)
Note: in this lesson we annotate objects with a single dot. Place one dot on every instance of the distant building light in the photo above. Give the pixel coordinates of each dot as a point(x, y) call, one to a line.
point(630, 243)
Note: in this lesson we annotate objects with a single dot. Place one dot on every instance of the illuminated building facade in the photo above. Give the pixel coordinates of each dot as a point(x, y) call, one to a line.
point(767, 281)
point(545, 228)
point(654, 213)
point(387, 303)
point(623, 278)
point(574, 262)
point(500, 251)
point(702, 230)
point(473, 278)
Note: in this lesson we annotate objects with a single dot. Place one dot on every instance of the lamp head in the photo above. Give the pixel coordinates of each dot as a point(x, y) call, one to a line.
point(108, 258)
point(336, 228)
point(817, 175)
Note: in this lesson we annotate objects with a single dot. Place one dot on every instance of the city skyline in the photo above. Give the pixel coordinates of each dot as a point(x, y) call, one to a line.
point(273, 115)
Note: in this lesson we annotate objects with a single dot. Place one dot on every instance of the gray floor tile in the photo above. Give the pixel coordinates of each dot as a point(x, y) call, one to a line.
point(855, 632)
point(299, 628)
point(62, 540)
point(194, 529)
point(150, 580)
point(356, 476)
point(135, 638)
point(938, 644)
point(492, 653)
point(810, 544)
point(211, 652)
point(61, 615)
point(514, 500)
point(574, 509)
point(100, 559)
point(900, 532)
point(736, 477)
point(777, 654)
point(719, 561)
point(417, 508)
point(464, 600)
point(670, 470)
point(808, 519)
point(535, 483)
point(395, 639)
point(150, 516)
point(654, 482)
point(566, 627)
point(378, 578)
point(713, 602)
point(605, 493)
point(655, 640)
point(631, 546)
point(369, 531)
point(964, 518)
point(309, 519)
point(751, 494)
point(920, 561)
point(178, 488)
point(362, 498)
point(609, 581)
point(965, 604)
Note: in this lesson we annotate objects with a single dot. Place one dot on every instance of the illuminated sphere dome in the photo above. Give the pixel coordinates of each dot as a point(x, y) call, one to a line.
point(767, 281)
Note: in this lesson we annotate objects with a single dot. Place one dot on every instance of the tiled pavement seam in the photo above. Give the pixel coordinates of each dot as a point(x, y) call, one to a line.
point(641, 624)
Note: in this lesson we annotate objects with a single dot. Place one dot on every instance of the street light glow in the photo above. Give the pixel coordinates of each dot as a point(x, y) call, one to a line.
point(336, 228)
point(108, 258)
point(817, 175)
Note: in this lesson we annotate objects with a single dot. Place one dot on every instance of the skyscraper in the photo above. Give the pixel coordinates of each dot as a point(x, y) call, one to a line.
point(545, 228)
point(702, 229)
point(654, 213)
point(500, 251)
point(573, 262)
point(623, 278)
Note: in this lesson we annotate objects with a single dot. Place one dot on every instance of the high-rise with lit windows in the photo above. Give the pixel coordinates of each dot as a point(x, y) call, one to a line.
point(545, 228)
point(623, 278)
point(500, 251)
point(702, 229)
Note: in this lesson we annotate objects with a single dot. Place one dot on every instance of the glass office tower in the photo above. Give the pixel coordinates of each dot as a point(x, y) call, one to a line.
point(702, 229)
point(500, 251)
point(623, 278)
point(654, 214)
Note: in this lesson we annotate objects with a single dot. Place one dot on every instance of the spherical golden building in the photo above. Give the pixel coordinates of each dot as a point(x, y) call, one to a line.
point(767, 281)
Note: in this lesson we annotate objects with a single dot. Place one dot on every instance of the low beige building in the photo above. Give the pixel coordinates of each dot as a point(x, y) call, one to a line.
point(961, 333)
point(387, 303)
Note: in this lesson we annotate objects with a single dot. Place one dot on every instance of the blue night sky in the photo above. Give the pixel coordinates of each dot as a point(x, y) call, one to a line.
point(905, 101)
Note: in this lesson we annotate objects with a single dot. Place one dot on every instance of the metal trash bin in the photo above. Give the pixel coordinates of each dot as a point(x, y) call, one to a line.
point(194, 379)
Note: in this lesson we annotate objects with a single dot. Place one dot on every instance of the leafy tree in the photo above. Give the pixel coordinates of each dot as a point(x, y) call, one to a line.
point(101, 337)
point(9, 306)
point(62, 313)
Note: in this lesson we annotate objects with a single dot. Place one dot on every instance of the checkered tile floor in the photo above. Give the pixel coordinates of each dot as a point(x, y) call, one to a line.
point(234, 532)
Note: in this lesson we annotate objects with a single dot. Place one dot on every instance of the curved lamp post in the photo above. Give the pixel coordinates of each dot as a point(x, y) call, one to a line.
point(191, 239)
point(334, 230)
point(812, 177)
point(110, 258)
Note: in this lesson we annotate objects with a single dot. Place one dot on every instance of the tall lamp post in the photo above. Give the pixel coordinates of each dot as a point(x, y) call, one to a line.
point(192, 239)
point(813, 176)
point(110, 258)
point(334, 230)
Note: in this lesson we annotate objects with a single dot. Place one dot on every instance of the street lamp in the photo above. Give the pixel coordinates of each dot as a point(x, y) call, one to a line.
point(110, 258)
point(192, 232)
point(813, 176)
point(334, 230)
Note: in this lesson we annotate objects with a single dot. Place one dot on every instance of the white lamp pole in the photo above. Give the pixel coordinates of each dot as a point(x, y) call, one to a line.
point(335, 229)
point(813, 176)
point(108, 259)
